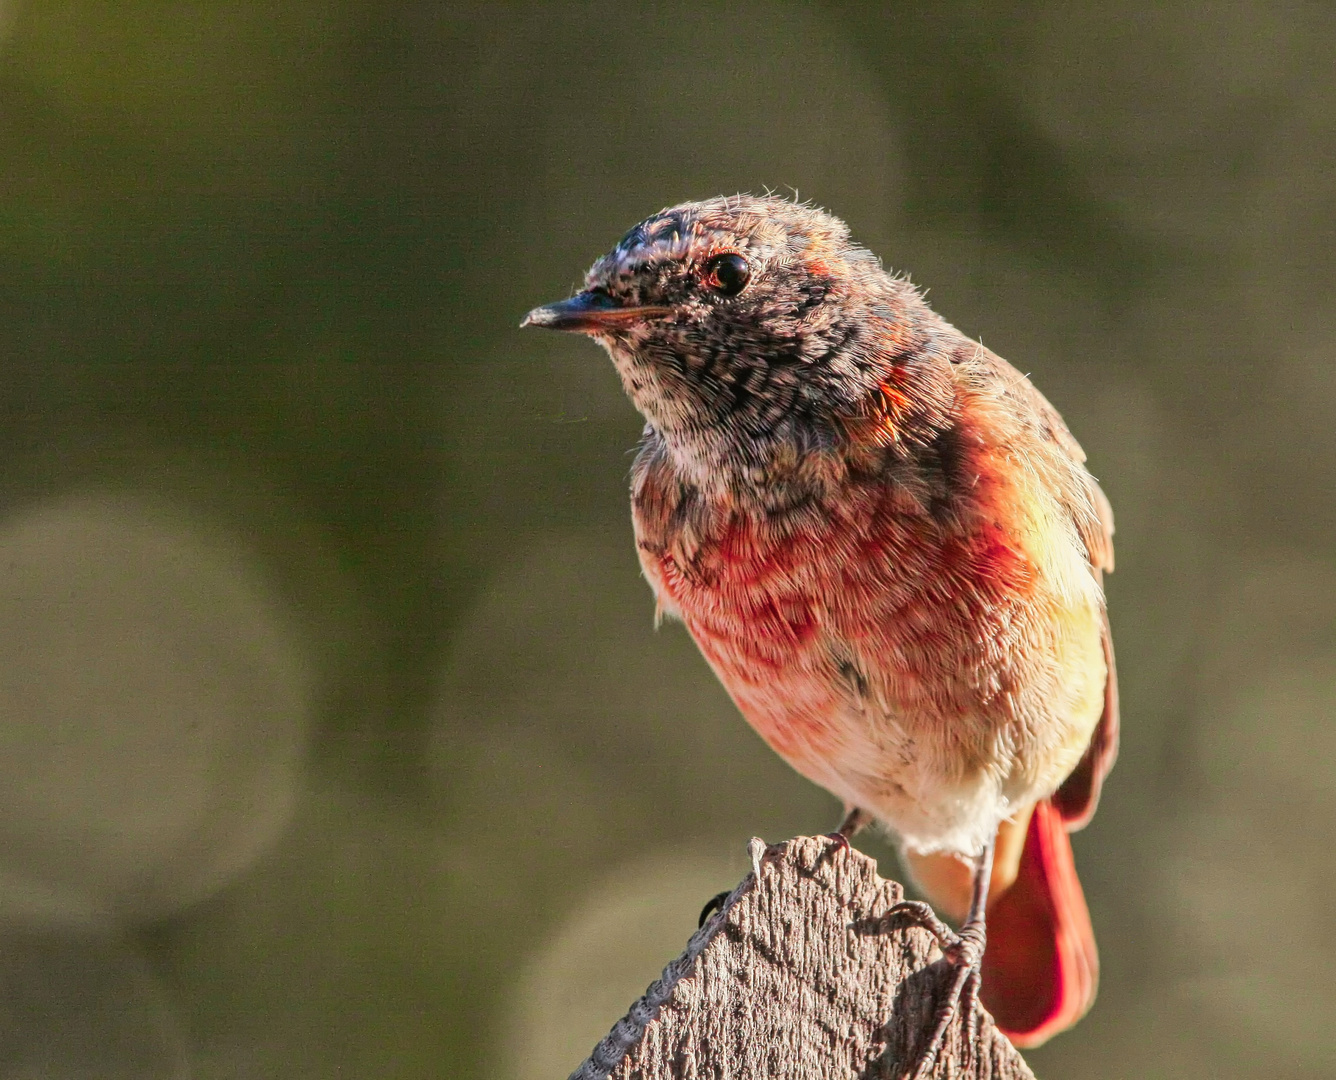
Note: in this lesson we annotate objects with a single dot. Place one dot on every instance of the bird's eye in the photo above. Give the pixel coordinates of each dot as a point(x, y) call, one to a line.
point(727, 274)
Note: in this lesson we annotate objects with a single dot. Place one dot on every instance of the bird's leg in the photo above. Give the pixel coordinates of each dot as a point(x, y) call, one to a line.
point(963, 951)
point(855, 819)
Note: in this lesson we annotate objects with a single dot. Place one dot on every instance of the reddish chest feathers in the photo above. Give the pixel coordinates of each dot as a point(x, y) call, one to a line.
point(876, 587)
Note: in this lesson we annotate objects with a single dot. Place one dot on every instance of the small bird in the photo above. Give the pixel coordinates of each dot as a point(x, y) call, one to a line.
point(885, 542)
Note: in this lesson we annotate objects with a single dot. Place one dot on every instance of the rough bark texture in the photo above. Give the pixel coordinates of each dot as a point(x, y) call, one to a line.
point(801, 975)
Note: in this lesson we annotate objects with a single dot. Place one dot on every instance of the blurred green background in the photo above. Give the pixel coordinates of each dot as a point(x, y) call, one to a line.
point(335, 738)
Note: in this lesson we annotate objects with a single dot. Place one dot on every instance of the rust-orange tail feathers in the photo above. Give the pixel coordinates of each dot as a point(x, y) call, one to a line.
point(1041, 968)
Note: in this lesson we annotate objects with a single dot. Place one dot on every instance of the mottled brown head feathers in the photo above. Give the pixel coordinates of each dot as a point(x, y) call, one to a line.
point(807, 344)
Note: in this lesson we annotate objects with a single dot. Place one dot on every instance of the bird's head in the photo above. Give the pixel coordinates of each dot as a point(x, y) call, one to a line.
point(739, 325)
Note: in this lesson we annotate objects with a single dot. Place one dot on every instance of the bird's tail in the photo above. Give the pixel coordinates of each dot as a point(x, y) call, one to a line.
point(1040, 968)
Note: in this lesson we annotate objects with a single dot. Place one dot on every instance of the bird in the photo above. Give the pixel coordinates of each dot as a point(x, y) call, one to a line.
point(885, 542)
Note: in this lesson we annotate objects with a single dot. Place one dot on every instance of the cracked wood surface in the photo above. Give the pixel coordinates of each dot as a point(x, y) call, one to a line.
point(801, 975)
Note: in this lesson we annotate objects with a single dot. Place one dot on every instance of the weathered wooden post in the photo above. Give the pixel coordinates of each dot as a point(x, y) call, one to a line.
point(801, 974)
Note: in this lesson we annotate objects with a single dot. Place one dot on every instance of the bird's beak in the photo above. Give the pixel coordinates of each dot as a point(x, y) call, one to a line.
point(589, 312)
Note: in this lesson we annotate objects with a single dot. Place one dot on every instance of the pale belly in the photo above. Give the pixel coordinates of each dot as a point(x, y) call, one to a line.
point(940, 776)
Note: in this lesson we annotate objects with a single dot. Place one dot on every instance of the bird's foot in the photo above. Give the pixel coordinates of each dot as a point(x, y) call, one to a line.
point(854, 821)
point(841, 841)
point(964, 953)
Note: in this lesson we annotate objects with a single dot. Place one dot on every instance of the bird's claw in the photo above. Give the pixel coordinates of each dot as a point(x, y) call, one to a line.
point(921, 914)
point(854, 821)
point(964, 953)
point(841, 841)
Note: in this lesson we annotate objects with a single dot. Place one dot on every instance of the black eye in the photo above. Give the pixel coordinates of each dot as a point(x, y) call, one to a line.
point(727, 274)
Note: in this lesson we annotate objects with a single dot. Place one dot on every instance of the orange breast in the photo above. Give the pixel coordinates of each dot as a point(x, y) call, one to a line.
point(863, 591)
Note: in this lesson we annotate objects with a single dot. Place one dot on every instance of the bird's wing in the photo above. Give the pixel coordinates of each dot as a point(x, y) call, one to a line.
point(1092, 515)
point(1085, 502)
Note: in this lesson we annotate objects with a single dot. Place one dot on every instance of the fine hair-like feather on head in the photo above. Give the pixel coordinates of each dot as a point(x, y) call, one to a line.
point(768, 332)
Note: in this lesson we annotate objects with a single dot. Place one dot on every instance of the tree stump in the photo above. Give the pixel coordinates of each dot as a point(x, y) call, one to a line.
point(802, 974)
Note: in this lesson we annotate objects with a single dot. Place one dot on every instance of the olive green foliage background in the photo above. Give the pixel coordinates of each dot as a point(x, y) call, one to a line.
point(335, 737)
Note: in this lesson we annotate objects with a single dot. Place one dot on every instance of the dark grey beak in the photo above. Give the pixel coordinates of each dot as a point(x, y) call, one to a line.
point(589, 312)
